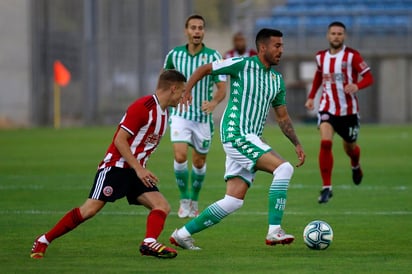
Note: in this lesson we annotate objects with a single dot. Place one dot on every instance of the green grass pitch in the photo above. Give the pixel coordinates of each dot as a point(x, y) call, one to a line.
point(46, 172)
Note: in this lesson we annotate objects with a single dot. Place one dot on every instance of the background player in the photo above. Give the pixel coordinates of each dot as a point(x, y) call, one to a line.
point(254, 88)
point(193, 126)
point(123, 171)
point(239, 47)
point(338, 69)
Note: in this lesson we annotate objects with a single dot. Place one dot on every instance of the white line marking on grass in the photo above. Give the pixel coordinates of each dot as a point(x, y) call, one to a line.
point(245, 213)
point(167, 186)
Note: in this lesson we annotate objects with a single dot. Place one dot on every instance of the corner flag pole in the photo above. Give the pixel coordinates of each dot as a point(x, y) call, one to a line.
point(61, 78)
point(57, 105)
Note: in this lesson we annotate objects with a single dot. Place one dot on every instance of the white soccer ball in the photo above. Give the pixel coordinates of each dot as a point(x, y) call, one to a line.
point(318, 235)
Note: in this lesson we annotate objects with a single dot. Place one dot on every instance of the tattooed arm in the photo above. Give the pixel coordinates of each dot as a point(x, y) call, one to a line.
point(285, 124)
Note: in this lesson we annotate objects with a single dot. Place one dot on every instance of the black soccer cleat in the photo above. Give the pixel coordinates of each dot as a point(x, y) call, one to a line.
point(325, 195)
point(357, 175)
point(157, 250)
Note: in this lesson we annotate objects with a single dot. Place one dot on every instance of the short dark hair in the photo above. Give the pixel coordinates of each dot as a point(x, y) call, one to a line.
point(170, 77)
point(337, 24)
point(264, 34)
point(194, 16)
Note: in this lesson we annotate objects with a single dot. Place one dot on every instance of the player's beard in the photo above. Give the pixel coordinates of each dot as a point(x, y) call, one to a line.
point(272, 60)
point(336, 45)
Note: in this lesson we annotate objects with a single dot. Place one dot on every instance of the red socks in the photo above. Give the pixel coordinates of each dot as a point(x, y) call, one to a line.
point(354, 156)
point(69, 221)
point(326, 162)
point(155, 223)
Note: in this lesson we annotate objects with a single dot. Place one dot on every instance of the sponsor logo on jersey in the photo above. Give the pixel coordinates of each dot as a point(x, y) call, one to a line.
point(363, 65)
point(108, 191)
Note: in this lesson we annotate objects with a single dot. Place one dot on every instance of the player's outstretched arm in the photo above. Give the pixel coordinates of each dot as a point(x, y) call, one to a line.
point(197, 75)
point(286, 125)
point(122, 144)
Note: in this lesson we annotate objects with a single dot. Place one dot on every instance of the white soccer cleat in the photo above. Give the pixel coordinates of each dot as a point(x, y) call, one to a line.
point(194, 209)
point(184, 209)
point(185, 243)
point(279, 237)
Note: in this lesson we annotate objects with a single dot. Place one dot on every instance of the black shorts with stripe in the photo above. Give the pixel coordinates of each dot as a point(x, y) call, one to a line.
point(346, 126)
point(113, 183)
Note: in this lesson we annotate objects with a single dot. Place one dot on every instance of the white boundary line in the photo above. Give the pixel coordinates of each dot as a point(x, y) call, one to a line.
point(257, 186)
point(245, 213)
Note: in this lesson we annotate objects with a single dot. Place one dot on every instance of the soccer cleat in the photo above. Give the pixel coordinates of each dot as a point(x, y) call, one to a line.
point(357, 175)
point(38, 250)
point(157, 250)
point(185, 243)
point(194, 210)
point(325, 195)
point(279, 237)
point(184, 209)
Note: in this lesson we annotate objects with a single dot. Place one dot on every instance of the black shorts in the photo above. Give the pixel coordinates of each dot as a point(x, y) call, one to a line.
point(113, 183)
point(346, 126)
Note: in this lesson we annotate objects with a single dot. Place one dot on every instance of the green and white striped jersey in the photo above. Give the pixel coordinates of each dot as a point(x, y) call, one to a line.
point(253, 90)
point(181, 60)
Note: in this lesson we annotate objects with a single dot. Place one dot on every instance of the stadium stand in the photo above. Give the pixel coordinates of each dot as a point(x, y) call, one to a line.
point(385, 17)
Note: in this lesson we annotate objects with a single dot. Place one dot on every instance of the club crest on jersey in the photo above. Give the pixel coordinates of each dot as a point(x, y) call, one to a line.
point(152, 139)
point(108, 191)
point(344, 65)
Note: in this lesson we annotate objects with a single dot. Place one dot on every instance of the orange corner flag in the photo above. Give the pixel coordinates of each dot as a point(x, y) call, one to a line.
point(61, 74)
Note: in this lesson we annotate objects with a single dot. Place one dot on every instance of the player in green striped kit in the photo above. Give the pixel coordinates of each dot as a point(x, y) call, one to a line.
point(255, 88)
point(193, 126)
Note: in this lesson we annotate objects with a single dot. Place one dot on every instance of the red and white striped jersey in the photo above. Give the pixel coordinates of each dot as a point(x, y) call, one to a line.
point(147, 123)
point(337, 71)
point(234, 53)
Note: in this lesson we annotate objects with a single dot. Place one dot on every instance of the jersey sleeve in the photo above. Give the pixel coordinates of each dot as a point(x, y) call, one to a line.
point(218, 78)
point(229, 66)
point(168, 64)
point(359, 64)
point(280, 99)
point(135, 117)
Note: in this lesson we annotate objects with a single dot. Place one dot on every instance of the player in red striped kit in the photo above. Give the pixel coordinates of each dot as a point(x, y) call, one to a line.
point(338, 69)
point(123, 172)
point(240, 48)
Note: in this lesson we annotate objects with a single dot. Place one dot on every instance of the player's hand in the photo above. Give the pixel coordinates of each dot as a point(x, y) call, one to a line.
point(309, 104)
point(208, 107)
point(147, 177)
point(301, 155)
point(351, 88)
point(186, 99)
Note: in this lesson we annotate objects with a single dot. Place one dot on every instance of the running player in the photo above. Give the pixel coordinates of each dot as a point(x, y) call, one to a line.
point(123, 173)
point(193, 126)
point(255, 87)
point(338, 69)
point(239, 47)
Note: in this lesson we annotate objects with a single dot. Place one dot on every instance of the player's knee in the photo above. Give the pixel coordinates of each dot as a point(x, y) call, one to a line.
point(180, 157)
point(163, 206)
point(285, 170)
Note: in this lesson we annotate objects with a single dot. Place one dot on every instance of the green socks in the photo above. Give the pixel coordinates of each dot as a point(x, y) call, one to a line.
point(277, 201)
point(197, 178)
point(212, 215)
point(182, 177)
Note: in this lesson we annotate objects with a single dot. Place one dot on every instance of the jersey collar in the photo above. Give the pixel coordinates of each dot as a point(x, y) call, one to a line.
point(158, 104)
point(187, 49)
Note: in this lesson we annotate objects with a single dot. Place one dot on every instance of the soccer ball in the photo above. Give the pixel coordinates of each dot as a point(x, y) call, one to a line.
point(318, 235)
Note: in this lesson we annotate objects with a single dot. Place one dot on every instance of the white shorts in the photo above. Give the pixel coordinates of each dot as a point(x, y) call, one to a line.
point(242, 155)
point(197, 135)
